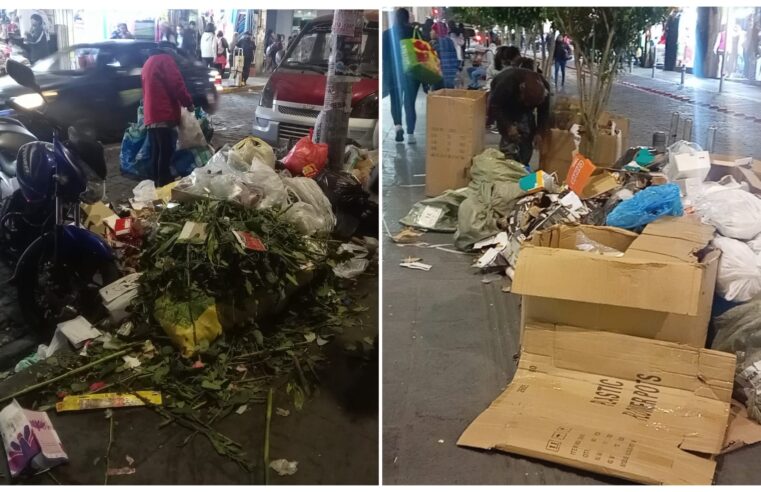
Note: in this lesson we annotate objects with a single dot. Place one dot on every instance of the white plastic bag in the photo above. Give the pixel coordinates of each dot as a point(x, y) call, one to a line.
point(310, 210)
point(739, 277)
point(145, 191)
point(189, 133)
point(735, 212)
point(253, 149)
point(269, 184)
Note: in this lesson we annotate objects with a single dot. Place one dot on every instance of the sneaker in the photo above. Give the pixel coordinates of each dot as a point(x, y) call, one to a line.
point(411, 138)
point(399, 133)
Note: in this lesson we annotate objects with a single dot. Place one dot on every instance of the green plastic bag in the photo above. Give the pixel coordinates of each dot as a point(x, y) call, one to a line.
point(420, 59)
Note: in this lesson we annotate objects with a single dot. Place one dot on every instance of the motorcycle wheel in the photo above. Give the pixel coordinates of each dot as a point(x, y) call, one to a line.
point(48, 295)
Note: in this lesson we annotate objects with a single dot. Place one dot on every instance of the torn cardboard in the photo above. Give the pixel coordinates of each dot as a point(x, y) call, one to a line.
point(455, 133)
point(623, 406)
point(587, 180)
point(741, 431)
point(743, 169)
point(658, 289)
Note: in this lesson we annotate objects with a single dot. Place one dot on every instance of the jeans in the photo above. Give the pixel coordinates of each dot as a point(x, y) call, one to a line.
point(161, 154)
point(475, 76)
point(561, 66)
point(405, 96)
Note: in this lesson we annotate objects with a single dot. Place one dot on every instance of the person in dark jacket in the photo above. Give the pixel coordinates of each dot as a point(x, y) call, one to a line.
point(561, 56)
point(246, 43)
point(400, 86)
point(37, 40)
point(190, 39)
point(520, 102)
point(164, 94)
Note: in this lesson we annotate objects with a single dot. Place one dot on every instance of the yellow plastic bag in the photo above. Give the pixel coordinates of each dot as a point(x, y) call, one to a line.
point(255, 149)
point(188, 323)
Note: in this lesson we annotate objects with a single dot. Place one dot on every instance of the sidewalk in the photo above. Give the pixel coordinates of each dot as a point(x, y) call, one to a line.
point(254, 84)
point(450, 339)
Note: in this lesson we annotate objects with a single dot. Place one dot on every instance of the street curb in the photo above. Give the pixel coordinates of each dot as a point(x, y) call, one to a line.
point(688, 99)
point(245, 88)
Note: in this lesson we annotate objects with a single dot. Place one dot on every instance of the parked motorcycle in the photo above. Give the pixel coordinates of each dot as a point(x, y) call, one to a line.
point(60, 266)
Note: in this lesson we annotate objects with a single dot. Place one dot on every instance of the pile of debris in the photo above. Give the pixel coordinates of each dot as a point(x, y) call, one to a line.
point(235, 280)
point(628, 254)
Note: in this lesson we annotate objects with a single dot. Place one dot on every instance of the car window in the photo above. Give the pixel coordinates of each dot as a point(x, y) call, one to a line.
point(313, 49)
point(76, 60)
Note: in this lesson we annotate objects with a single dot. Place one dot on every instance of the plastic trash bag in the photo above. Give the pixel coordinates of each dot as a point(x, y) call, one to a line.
point(306, 157)
point(647, 206)
point(185, 161)
point(255, 149)
point(586, 243)
point(270, 186)
point(189, 133)
point(135, 153)
point(739, 277)
point(738, 331)
point(309, 210)
point(175, 318)
point(437, 214)
point(734, 212)
point(355, 212)
point(145, 191)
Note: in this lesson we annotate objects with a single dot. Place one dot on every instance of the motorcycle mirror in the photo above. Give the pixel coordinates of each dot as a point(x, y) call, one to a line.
point(22, 74)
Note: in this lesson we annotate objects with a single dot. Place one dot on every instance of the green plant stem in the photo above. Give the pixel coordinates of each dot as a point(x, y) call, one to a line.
point(267, 422)
point(108, 449)
point(65, 375)
point(270, 351)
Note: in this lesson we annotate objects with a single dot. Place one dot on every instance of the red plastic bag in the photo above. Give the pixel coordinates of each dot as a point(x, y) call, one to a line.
point(306, 158)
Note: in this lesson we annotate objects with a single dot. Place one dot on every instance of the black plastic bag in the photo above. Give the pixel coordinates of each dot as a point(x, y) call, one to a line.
point(356, 213)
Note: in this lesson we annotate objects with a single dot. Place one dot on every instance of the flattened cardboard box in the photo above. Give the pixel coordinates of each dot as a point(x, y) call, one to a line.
point(658, 289)
point(455, 133)
point(623, 406)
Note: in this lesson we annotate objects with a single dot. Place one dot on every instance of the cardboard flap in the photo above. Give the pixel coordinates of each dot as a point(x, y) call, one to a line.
point(613, 404)
point(628, 282)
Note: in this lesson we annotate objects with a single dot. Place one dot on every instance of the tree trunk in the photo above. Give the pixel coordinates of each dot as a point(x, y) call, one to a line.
point(345, 58)
point(259, 40)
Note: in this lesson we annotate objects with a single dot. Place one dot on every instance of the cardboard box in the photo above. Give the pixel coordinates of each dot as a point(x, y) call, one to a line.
point(658, 289)
point(556, 152)
point(455, 133)
point(743, 169)
point(614, 404)
point(587, 180)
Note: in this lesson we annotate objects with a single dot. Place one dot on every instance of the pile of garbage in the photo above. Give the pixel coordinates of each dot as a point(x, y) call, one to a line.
point(504, 205)
point(235, 279)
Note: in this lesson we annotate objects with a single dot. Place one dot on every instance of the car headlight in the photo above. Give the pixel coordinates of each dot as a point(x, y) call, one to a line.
point(366, 108)
point(29, 101)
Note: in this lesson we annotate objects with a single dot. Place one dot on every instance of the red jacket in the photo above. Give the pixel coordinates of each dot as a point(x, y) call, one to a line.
point(164, 90)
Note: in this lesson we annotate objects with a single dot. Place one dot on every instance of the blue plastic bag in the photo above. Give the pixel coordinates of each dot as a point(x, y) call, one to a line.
point(135, 155)
point(647, 206)
point(184, 161)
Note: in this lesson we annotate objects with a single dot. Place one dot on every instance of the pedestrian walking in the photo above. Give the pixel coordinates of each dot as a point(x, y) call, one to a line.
point(520, 101)
point(222, 47)
point(246, 43)
point(122, 32)
point(561, 56)
point(446, 51)
point(164, 94)
point(167, 34)
point(402, 87)
point(457, 37)
point(233, 43)
point(190, 40)
point(207, 45)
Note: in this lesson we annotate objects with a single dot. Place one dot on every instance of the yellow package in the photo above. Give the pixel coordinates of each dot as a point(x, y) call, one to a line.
point(185, 331)
point(108, 400)
point(255, 149)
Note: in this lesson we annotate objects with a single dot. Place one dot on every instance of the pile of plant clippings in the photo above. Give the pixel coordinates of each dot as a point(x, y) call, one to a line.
point(253, 355)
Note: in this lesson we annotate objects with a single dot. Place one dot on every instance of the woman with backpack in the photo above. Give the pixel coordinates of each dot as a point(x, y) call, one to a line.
point(221, 48)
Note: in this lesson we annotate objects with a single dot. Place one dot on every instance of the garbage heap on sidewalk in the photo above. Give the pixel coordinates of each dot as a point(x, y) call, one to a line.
point(236, 277)
point(624, 261)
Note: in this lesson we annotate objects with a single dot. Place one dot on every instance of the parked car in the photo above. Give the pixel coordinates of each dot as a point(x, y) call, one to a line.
point(294, 94)
point(97, 87)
